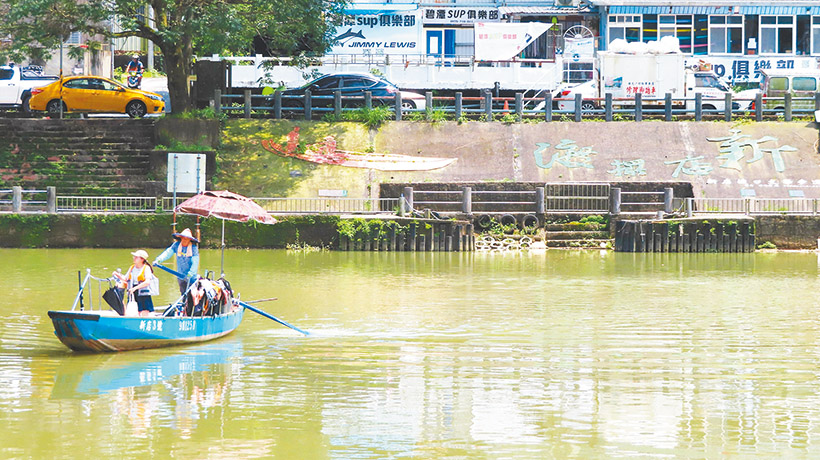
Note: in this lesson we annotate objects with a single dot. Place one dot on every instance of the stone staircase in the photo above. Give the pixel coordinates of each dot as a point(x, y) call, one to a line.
point(577, 235)
point(78, 156)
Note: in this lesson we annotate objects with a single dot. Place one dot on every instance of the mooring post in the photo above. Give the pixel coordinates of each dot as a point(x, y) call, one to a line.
point(579, 104)
point(277, 104)
point(448, 243)
point(548, 107)
point(428, 238)
point(247, 95)
point(458, 103)
point(467, 200)
point(759, 107)
point(540, 202)
point(615, 201)
point(51, 199)
point(16, 198)
point(488, 105)
point(308, 105)
point(519, 106)
point(689, 204)
point(218, 102)
point(787, 110)
point(408, 199)
point(457, 238)
point(668, 195)
point(337, 105)
point(412, 242)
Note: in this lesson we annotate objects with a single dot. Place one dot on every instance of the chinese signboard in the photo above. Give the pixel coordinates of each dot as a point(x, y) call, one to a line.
point(743, 69)
point(388, 33)
point(467, 15)
point(646, 88)
point(503, 41)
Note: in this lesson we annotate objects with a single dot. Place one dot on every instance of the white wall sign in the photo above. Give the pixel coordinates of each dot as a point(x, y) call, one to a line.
point(503, 41)
point(582, 47)
point(395, 32)
point(742, 69)
point(187, 171)
point(454, 15)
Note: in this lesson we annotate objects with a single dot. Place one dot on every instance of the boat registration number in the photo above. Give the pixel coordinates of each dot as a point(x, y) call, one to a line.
point(187, 325)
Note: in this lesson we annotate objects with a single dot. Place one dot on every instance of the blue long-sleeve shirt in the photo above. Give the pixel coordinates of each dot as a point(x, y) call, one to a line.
point(187, 265)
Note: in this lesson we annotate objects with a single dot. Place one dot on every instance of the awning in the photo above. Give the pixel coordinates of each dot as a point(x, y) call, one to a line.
point(764, 10)
point(541, 10)
point(375, 8)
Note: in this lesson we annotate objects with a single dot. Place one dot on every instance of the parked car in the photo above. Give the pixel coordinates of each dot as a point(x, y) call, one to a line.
point(355, 85)
point(16, 83)
point(95, 94)
point(800, 83)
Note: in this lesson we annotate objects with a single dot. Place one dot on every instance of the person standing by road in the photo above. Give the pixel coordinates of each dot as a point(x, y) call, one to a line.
point(186, 248)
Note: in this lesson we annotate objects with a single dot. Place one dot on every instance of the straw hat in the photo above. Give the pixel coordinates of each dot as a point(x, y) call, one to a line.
point(186, 234)
point(140, 253)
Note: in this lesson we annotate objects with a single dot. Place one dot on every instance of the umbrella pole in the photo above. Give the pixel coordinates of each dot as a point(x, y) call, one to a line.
point(222, 262)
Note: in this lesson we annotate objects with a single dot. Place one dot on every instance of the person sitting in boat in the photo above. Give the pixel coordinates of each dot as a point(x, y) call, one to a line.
point(187, 256)
point(138, 280)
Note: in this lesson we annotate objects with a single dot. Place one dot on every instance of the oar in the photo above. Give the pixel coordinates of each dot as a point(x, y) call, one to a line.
point(269, 316)
point(262, 300)
point(253, 309)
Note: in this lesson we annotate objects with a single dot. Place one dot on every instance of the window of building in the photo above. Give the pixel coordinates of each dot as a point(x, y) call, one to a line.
point(815, 35)
point(777, 35)
point(726, 34)
point(625, 27)
point(577, 72)
point(677, 25)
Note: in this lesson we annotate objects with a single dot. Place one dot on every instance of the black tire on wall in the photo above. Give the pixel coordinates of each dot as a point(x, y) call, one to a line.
point(530, 220)
point(508, 219)
point(484, 221)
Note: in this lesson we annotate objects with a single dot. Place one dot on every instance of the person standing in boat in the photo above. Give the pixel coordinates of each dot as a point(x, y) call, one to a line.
point(187, 255)
point(138, 280)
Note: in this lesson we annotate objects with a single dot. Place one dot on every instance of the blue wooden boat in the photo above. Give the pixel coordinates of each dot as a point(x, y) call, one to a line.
point(102, 330)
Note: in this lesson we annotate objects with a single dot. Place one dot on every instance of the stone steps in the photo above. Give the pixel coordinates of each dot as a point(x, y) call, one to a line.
point(79, 157)
point(580, 243)
point(580, 235)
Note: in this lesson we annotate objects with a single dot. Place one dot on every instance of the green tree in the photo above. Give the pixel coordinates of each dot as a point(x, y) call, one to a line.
point(181, 29)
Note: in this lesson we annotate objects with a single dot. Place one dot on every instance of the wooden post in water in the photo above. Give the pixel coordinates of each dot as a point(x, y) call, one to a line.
point(422, 242)
point(412, 238)
point(457, 238)
point(700, 240)
point(392, 238)
point(470, 237)
point(428, 238)
point(719, 237)
point(650, 237)
point(448, 243)
point(665, 237)
point(401, 242)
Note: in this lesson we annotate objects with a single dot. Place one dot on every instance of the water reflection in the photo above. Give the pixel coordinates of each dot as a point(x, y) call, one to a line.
point(562, 355)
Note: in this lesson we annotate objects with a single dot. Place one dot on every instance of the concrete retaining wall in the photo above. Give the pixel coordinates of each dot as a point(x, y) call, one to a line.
point(788, 232)
point(720, 159)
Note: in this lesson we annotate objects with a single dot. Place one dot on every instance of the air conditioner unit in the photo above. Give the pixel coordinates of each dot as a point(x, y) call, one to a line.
point(574, 3)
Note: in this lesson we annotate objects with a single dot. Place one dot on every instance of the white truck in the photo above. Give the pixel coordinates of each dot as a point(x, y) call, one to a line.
point(16, 83)
point(653, 76)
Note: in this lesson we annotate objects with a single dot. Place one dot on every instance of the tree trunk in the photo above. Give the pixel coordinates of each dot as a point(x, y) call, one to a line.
point(178, 65)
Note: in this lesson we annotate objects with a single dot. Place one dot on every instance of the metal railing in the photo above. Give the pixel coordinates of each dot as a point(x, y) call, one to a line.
point(106, 204)
point(577, 197)
point(328, 205)
point(515, 108)
point(16, 199)
point(752, 206)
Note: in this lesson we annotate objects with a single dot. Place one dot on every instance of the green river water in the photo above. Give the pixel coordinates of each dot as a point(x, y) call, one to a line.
point(434, 356)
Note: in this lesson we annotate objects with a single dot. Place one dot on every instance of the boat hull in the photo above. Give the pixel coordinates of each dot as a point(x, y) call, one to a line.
point(100, 332)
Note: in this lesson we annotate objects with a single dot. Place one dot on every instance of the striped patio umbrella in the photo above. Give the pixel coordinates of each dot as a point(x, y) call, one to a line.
point(224, 205)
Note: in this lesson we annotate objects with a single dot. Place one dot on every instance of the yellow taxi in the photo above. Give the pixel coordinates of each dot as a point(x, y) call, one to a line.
point(95, 94)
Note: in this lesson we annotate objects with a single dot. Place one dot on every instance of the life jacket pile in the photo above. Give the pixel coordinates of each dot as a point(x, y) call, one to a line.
point(206, 297)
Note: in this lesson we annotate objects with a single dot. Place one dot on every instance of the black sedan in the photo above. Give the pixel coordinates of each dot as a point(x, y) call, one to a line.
point(354, 85)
